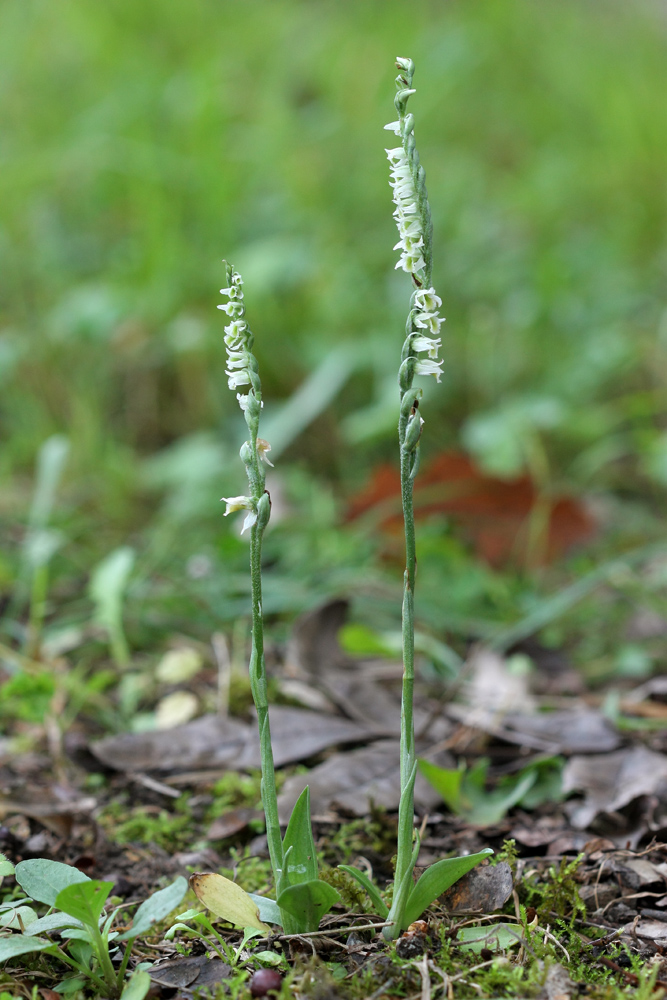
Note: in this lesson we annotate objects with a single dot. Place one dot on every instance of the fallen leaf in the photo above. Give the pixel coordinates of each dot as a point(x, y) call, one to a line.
point(610, 781)
point(352, 781)
point(214, 741)
point(232, 822)
point(481, 890)
point(176, 709)
point(179, 665)
point(494, 513)
point(178, 973)
point(227, 900)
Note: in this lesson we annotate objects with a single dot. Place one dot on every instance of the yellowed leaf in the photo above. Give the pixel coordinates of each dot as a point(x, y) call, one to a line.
point(226, 899)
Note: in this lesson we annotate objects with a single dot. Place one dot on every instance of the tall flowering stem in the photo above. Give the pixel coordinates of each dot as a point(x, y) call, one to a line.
point(418, 357)
point(242, 371)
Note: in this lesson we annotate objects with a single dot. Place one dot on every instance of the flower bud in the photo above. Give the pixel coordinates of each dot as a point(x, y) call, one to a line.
point(246, 453)
point(413, 432)
point(263, 510)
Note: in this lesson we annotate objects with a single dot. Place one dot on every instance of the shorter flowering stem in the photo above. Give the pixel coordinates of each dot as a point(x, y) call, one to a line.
point(243, 371)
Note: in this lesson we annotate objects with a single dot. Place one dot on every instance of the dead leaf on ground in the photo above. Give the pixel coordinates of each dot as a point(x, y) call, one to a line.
point(558, 985)
point(313, 649)
point(482, 890)
point(610, 781)
point(352, 781)
point(232, 822)
point(494, 513)
point(567, 731)
point(178, 973)
point(214, 741)
point(496, 683)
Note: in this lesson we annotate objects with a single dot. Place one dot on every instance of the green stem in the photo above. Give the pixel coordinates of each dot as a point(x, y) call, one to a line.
point(68, 960)
point(102, 950)
point(260, 697)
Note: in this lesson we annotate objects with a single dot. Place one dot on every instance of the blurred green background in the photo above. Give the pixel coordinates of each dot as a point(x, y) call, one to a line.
point(141, 142)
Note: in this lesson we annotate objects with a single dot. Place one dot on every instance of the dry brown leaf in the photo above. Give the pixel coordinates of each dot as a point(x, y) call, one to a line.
point(482, 890)
point(610, 781)
point(352, 781)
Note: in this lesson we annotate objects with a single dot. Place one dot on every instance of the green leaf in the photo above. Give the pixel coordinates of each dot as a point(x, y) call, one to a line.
point(436, 880)
point(307, 903)
point(84, 900)
point(6, 867)
point(18, 918)
point(446, 781)
point(70, 985)
point(43, 880)
point(53, 922)
point(156, 908)
point(21, 944)
point(498, 937)
point(298, 844)
point(465, 794)
point(269, 911)
point(137, 987)
point(376, 899)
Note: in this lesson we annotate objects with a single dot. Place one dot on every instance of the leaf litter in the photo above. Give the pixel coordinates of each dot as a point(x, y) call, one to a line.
point(611, 810)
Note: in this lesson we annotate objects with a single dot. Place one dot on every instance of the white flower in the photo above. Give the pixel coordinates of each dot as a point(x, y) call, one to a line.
point(427, 300)
point(250, 519)
point(428, 367)
point(242, 503)
point(236, 503)
point(237, 378)
point(262, 448)
point(394, 127)
point(233, 308)
point(235, 292)
point(411, 262)
point(428, 344)
point(428, 321)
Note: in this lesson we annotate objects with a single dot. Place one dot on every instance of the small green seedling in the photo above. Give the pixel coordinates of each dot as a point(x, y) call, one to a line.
point(77, 915)
point(108, 584)
point(463, 789)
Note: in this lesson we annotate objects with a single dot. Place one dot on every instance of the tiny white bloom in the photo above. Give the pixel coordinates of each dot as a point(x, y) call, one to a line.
point(411, 262)
point(251, 518)
point(428, 344)
point(427, 300)
point(394, 127)
point(233, 308)
point(428, 367)
point(262, 448)
point(236, 503)
point(235, 379)
point(428, 321)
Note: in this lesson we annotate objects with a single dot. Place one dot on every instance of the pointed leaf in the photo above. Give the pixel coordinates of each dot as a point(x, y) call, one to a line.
point(43, 880)
point(21, 944)
point(298, 844)
point(269, 910)
point(84, 900)
point(226, 899)
point(376, 899)
point(436, 879)
point(307, 902)
point(156, 908)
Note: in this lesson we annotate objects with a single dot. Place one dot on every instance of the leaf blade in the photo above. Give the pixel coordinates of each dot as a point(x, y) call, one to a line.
point(437, 879)
point(226, 899)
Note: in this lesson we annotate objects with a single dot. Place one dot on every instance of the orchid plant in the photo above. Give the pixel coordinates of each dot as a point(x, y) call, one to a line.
point(302, 898)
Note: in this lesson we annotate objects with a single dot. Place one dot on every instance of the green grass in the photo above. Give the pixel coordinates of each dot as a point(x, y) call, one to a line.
point(141, 142)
